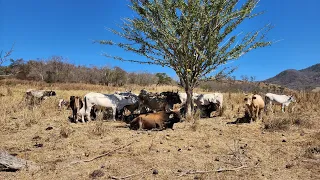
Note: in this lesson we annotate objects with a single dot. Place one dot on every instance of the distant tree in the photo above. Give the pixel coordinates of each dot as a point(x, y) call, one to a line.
point(4, 55)
point(244, 78)
point(193, 38)
point(252, 78)
point(163, 78)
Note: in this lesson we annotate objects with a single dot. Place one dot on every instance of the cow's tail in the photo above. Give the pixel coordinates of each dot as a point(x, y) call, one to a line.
point(85, 103)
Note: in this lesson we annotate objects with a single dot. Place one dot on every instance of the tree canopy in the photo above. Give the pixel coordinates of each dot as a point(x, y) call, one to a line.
point(193, 37)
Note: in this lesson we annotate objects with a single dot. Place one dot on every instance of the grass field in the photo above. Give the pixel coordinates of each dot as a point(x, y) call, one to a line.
point(282, 146)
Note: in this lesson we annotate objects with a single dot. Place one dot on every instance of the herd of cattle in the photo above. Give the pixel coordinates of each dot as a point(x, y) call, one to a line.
point(148, 110)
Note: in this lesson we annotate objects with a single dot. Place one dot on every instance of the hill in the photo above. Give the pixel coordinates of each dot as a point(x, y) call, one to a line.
point(308, 78)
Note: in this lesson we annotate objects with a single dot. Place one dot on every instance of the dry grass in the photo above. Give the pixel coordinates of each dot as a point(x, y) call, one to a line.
point(288, 150)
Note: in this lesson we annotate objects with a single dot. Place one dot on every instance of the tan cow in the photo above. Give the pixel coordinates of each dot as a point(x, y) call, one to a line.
point(254, 106)
point(159, 120)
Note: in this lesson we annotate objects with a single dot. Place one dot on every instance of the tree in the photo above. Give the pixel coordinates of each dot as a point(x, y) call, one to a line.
point(163, 78)
point(4, 55)
point(193, 37)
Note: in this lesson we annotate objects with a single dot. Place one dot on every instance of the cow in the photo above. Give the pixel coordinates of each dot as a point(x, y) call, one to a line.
point(37, 96)
point(283, 100)
point(159, 120)
point(75, 104)
point(254, 106)
point(114, 101)
point(62, 103)
point(157, 102)
point(207, 99)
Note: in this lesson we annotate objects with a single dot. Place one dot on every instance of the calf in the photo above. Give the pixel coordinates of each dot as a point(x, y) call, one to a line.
point(159, 120)
point(254, 106)
point(63, 103)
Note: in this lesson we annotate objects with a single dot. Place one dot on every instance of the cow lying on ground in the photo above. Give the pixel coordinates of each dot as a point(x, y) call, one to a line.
point(33, 97)
point(207, 99)
point(254, 106)
point(159, 120)
point(113, 101)
point(283, 100)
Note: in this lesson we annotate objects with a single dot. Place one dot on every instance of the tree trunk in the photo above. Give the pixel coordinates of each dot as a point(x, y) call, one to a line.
point(189, 103)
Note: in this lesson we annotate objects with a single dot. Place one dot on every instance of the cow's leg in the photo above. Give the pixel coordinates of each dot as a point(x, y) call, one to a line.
point(114, 111)
point(282, 107)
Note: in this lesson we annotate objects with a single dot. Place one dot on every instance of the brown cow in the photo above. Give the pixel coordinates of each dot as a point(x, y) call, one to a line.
point(159, 120)
point(75, 105)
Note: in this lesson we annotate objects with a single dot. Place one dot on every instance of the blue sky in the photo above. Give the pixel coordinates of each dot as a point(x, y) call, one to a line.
point(41, 29)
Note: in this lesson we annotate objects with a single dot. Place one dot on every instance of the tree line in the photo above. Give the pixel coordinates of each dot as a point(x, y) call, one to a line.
point(57, 69)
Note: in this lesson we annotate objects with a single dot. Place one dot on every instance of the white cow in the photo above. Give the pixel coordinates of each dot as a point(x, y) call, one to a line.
point(114, 101)
point(183, 97)
point(284, 100)
point(206, 99)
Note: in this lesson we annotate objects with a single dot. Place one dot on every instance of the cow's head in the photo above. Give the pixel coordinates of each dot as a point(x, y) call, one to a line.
point(291, 99)
point(49, 93)
point(174, 117)
point(171, 97)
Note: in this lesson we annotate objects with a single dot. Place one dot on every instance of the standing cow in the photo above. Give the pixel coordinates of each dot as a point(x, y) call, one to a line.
point(157, 102)
point(283, 100)
point(114, 101)
point(254, 106)
point(75, 104)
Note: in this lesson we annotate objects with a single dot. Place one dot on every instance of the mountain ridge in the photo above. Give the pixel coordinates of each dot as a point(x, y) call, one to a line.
point(304, 79)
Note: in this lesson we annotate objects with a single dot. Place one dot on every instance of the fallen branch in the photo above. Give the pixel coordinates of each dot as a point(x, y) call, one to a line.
point(129, 176)
point(210, 171)
point(104, 154)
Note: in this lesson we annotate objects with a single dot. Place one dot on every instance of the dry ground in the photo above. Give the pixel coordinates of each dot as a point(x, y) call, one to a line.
point(283, 146)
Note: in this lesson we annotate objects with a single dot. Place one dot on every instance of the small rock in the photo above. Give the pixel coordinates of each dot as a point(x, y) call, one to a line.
point(38, 145)
point(49, 128)
point(216, 159)
point(103, 166)
point(207, 146)
point(36, 138)
point(96, 173)
point(220, 134)
point(263, 132)
point(288, 166)
point(167, 138)
point(86, 154)
point(13, 154)
point(284, 140)
point(302, 134)
point(161, 142)
point(189, 149)
point(179, 170)
point(155, 171)
point(282, 134)
point(179, 149)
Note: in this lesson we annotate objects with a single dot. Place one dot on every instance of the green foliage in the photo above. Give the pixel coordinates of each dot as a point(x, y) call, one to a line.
point(192, 37)
point(163, 78)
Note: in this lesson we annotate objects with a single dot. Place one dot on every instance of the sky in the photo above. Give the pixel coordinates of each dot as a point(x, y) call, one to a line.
point(41, 29)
